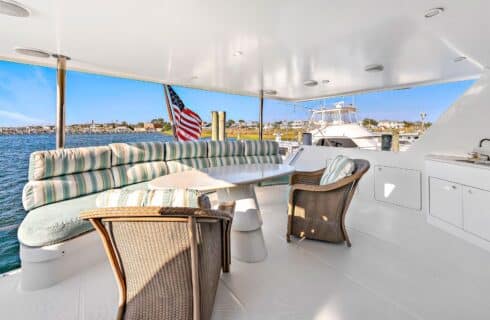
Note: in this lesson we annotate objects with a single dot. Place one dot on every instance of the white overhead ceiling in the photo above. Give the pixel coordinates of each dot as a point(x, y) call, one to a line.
point(194, 43)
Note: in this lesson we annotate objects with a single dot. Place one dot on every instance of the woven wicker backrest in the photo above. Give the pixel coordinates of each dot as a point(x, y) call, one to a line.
point(362, 166)
point(167, 260)
point(318, 211)
point(156, 261)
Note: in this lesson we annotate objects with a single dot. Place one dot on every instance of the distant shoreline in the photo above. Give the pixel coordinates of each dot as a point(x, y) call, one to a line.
point(77, 133)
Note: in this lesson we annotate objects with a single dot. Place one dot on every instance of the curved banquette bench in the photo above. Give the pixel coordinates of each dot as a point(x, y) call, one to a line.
point(64, 182)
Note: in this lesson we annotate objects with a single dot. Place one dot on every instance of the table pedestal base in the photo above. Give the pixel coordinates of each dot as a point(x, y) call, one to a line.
point(248, 246)
point(247, 240)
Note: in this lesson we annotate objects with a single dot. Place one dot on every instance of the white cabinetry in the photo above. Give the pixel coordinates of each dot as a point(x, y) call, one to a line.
point(459, 200)
point(446, 201)
point(476, 212)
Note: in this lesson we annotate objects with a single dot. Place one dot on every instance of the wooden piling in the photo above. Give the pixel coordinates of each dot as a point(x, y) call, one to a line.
point(222, 126)
point(214, 125)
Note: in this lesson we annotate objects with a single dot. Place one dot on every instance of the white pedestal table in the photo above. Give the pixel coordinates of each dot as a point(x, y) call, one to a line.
point(235, 182)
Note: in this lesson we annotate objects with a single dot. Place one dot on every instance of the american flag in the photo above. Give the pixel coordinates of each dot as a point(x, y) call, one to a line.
point(187, 123)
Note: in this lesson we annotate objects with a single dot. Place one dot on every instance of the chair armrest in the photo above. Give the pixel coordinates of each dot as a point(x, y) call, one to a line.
point(322, 188)
point(306, 177)
point(135, 213)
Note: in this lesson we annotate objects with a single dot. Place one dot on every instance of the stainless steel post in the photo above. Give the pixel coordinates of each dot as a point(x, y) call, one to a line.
point(60, 101)
point(261, 116)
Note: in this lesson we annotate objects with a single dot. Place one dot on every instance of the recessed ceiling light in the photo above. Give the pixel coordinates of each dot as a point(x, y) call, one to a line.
point(433, 12)
point(14, 9)
point(270, 92)
point(238, 53)
point(374, 68)
point(326, 81)
point(32, 52)
point(57, 56)
point(458, 59)
point(310, 83)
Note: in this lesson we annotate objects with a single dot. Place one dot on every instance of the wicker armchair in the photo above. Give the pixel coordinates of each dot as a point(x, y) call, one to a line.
point(166, 261)
point(318, 211)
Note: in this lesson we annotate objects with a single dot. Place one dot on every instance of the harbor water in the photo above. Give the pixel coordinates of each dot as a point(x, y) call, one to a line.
point(14, 162)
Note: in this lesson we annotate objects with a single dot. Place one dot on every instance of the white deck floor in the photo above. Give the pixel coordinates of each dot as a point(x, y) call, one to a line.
point(399, 267)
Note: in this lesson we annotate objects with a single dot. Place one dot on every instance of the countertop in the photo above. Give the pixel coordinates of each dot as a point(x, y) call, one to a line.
point(456, 160)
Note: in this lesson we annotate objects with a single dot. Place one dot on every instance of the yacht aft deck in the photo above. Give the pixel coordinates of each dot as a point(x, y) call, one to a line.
point(399, 267)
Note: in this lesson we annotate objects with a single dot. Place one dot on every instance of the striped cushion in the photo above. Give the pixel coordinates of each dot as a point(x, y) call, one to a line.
point(337, 169)
point(264, 159)
point(185, 150)
point(224, 148)
point(143, 198)
point(174, 198)
point(53, 163)
point(123, 153)
point(138, 172)
point(39, 193)
point(260, 148)
point(187, 164)
point(226, 161)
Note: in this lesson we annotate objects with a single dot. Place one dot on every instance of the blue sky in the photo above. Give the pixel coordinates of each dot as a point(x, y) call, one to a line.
point(28, 96)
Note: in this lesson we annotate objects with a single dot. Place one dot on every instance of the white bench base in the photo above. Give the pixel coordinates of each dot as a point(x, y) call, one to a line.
point(43, 267)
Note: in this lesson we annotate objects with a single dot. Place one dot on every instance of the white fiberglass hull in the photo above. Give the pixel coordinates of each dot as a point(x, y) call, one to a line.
point(361, 136)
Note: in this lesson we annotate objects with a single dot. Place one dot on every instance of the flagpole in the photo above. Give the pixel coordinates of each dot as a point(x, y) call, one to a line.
point(169, 111)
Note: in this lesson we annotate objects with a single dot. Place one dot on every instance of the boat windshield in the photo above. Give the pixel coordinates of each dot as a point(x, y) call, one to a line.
point(334, 116)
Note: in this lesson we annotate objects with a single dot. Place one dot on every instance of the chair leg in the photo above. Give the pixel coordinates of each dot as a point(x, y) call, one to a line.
point(228, 246)
point(290, 222)
point(348, 241)
point(346, 236)
point(224, 250)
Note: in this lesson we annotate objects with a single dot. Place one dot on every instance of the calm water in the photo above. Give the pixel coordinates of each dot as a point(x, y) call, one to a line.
point(14, 161)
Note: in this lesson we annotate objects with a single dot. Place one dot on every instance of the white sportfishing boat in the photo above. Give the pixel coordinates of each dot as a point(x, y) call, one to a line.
point(126, 231)
point(338, 126)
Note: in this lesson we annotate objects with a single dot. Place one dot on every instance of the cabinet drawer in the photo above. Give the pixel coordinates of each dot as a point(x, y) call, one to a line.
point(476, 212)
point(446, 201)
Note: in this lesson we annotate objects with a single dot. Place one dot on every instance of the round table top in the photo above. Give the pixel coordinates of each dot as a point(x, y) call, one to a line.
point(214, 178)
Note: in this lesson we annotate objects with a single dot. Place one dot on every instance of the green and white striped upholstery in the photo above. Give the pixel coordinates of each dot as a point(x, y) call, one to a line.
point(138, 172)
point(39, 193)
point(53, 163)
point(260, 148)
point(276, 159)
point(185, 150)
point(224, 148)
point(143, 198)
point(124, 153)
point(225, 153)
point(187, 164)
point(337, 169)
point(226, 161)
point(121, 198)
